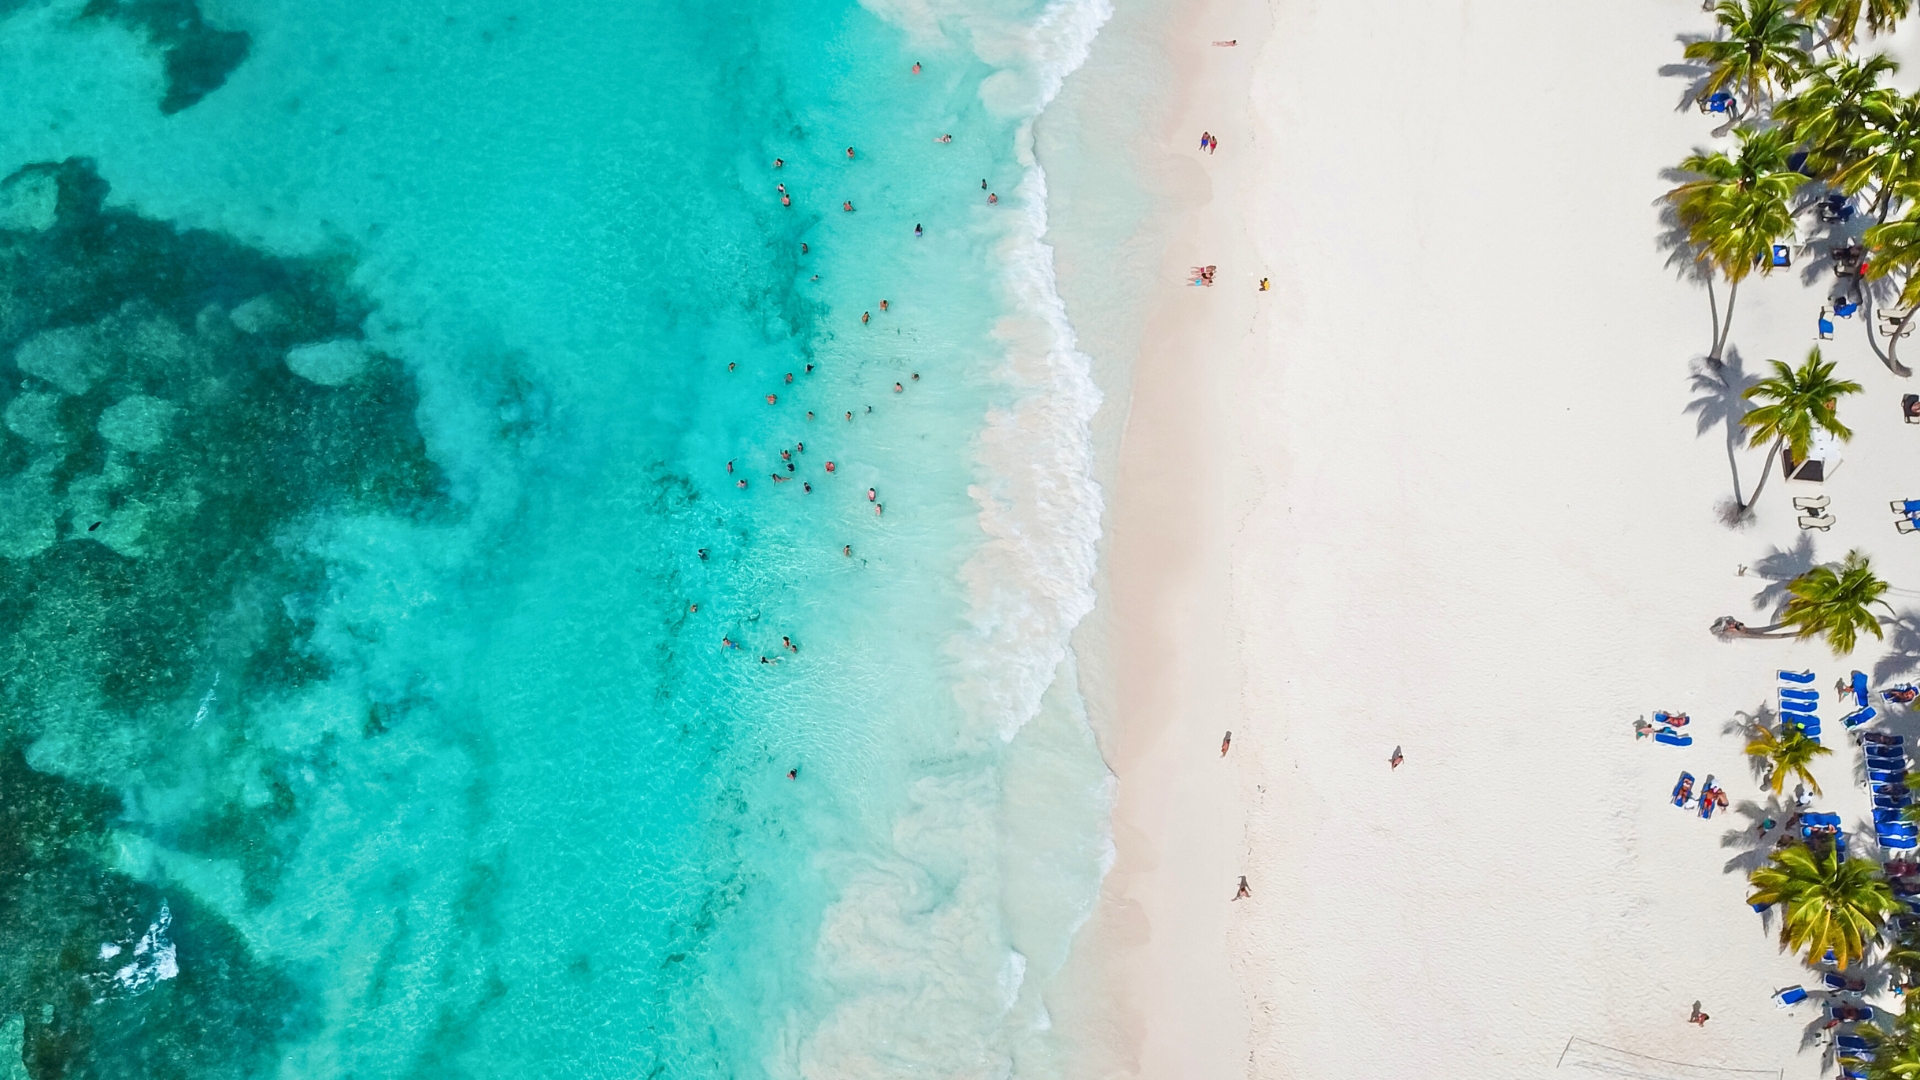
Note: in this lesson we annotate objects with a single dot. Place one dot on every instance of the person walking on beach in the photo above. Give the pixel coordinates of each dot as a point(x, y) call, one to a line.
point(1225, 741)
point(1698, 1017)
point(1397, 758)
point(1205, 138)
point(1243, 892)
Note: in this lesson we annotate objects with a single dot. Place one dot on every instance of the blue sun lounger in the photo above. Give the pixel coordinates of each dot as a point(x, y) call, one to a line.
point(1796, 676)
point(1891, 755)
point(1790, 995)
point(1848, 1043)
point(1859, 716)
point(1845, 309)
point(1860, 688)
point(1796, 693)
point(1900, 843)
point(1672, 739)
point(1884, 776)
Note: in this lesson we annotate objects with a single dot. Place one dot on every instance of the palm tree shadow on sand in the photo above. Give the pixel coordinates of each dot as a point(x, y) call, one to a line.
point(1778, 568)
point(1748, 843)
point(1903, 648)
point(1742, 725)
point(1695, 76)
point(1718, 403)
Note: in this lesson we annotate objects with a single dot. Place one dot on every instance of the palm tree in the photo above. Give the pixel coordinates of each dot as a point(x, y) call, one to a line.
point(1797, 402)
point(1829, 113)
point(1789, 751)
point(1734, 208)
point(1835, 603)
point(1759, 48)
point(1831, 903)
point(1842, 17)
point(1896, 1053)
point(1903, 955)
point(1895, 247)
point(1885, 151)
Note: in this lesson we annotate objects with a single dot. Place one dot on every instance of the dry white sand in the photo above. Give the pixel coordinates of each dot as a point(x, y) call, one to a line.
point(1440, 488)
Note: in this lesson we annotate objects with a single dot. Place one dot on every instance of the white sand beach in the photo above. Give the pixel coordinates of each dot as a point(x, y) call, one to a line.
point(1445, 487)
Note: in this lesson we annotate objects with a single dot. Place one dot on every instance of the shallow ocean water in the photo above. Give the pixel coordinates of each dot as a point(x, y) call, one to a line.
point(372, 384)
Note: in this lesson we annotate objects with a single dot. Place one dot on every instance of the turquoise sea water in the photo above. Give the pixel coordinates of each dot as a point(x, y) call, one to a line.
point(372, 375)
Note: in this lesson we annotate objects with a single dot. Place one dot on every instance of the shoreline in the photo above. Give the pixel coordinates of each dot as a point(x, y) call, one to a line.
point(1446, 488)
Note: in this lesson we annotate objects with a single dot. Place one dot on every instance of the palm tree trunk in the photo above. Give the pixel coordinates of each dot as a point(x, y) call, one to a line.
point(1873, 343)
point(1772, 453)
point(1723, 327)
point(1893, 346)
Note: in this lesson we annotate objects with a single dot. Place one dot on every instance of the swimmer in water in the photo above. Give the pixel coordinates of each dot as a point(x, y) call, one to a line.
point(849, 417)
point(730, 366)
point(803, 247)
point(992, 198)
point(772, 399)
point(741, 484)
point(849, 153)
point(786, 200)
point(916, 376)
point(847, 550)
point(799, 448)
point(729, 468)
point(728, 643)
point(793, 774)
point(703, 553)
point(916, 67)
point(829, 466)
point(916, 229)
point(777, 163)
point(786, 455)
point(809, 369)
point(782, 188)
point(809, 414)
point(878, 508)
point(871, 494)
point(897, 388)
point(883, 305)
point(944, 139)
point(695, 608)
point(806, 487)
point(865, 317)
point(789, 376)
point(847, 206)
point(788, 643)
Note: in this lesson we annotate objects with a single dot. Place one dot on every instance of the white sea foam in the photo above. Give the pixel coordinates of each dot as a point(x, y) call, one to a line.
point(918, 948)
point(154, 960)
point(206, 703)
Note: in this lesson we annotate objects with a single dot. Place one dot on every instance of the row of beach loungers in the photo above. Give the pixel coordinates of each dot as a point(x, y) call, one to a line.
point(1799, 702)
point(1886, 764)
